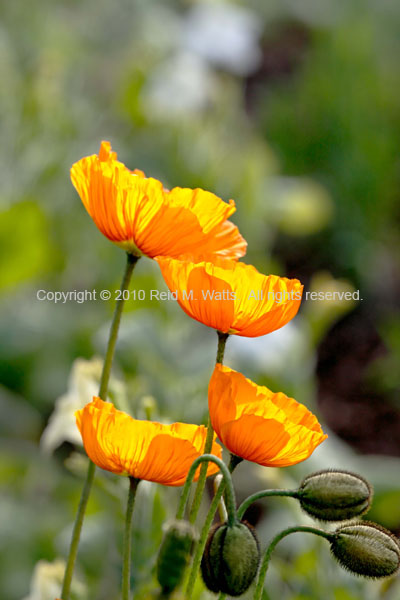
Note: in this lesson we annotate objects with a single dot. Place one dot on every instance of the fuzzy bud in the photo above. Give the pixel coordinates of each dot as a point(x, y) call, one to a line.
point(174, 554)
point(366, 549)
point(231, 558)
point(334, 495)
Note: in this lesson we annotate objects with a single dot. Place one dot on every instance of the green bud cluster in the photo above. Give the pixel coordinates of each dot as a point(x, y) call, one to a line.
point(231, 558)
point(334, 495)
point(366, 549)
point(175, 553)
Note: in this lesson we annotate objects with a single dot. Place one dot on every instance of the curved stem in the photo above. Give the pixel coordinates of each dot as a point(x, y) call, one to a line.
point(202, 477)
point(230, 495)
point(267, 556)
point(222, 337)
point(263, 494)
point(206, 528)
point(126, 553)
point(105, 376)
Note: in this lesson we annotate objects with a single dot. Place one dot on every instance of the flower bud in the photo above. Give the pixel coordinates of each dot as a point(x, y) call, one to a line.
point(366, 549)
point(335, 495)
point(175, 554)
point(230, 559)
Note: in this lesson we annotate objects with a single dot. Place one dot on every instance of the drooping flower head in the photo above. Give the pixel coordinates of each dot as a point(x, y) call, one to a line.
point(232, 297)
point(258, 425)
point(141, 216)
point(116, 442)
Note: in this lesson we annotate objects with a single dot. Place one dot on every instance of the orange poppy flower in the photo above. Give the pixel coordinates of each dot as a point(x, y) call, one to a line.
point(232, 297)
point(116, 442)
point(258, 425)
point(142, 217)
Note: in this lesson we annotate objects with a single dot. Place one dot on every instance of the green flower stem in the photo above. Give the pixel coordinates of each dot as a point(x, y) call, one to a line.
point(222, 596)
point(267, 556)
point(234, 461)
point(263, 494)
point(105, 376)
point(73, 549)
point(126, 553)
point(163, 595)
point(227, 483)
point(112, 339)
point(222, 514)
point(202, 477)
point(222, 337)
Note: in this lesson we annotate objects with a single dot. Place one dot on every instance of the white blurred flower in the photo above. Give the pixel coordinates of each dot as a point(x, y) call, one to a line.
point(225, 35)
point(181, 85)
point(82, 386)
point(47, 580)
point(274, 353)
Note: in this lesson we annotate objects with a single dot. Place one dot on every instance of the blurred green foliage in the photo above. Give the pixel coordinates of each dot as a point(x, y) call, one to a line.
point(303, 135)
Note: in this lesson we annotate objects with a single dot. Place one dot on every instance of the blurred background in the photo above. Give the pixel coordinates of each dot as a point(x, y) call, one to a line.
point(291, 109)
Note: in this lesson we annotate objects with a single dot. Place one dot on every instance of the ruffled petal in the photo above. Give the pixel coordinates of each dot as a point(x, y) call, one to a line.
point(112, 439)
point(258, 425)
point(146, 450)
point(264, 303)
point(224, 240)
point(229, 296)
point(254, 438)
point(201, 294)
point(169, 457)
point(141, 216)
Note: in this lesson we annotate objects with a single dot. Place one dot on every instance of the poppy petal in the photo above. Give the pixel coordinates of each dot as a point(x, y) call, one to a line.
point(229, 296)
point(147, 450)
point(258, 425)
point(141, 216)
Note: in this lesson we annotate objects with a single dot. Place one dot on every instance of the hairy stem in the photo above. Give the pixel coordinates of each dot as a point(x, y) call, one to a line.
point(126, 553)
point(263, 494)
point(222, 337)
point(227, 483)
point(267, 556)
point(206, 528)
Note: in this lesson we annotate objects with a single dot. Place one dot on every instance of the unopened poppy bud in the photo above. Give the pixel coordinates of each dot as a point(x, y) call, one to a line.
point(174, 554)
point(230, 559)
point(366, 549)
point(335, 495)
